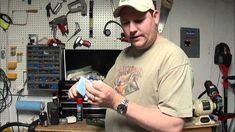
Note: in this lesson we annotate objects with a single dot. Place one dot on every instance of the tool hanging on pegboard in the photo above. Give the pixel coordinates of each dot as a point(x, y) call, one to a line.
point(55, 10)
point(20, 17)
point(29, 2)
point(3, 51)
point(80, 42)
point(78, 6)
point(107, 32)
point(5, 21)
point(165, 9)
point(112, 5)
point(62, 24)
point(77, 30)
point(91, 19)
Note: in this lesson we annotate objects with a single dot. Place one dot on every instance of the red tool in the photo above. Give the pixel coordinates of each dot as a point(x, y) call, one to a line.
point(62, 23)
point(80, 42)
point(223, 58)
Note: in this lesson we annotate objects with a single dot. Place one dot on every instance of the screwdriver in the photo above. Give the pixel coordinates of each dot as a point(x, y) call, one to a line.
point(77, 30)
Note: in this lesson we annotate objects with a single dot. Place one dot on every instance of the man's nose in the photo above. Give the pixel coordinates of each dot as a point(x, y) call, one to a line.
point(133, 27)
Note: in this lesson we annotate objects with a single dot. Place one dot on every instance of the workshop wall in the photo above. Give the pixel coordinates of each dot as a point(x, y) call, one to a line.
point(36, 24)
point(214, 18)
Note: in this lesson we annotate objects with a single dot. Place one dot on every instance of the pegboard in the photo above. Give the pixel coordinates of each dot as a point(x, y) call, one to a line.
point(38, 23)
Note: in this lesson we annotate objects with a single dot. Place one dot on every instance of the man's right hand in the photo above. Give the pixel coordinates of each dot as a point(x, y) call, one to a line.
point(72, 93)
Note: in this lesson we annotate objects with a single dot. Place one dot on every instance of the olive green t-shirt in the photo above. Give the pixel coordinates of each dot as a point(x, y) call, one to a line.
point(161, 76)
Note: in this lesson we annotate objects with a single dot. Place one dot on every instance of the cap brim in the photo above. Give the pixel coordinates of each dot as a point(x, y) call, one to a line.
point(116, 13)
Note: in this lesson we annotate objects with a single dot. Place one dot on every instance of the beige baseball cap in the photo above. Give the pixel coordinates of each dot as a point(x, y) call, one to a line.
point(139, 5)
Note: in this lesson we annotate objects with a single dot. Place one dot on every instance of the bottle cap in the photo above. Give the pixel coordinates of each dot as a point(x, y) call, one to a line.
point(79, 100)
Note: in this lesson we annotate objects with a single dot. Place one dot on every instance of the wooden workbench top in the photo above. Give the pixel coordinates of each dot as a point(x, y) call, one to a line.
point(74, 127)
point(84, 127)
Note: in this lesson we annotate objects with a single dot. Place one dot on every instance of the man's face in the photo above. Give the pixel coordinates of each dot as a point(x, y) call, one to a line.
point(139, 27)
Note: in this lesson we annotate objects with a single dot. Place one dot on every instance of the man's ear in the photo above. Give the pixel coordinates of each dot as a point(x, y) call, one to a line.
point(156, 16)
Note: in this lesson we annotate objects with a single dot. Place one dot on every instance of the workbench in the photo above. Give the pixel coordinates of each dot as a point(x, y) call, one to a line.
point(83, 127)
point(190, 127)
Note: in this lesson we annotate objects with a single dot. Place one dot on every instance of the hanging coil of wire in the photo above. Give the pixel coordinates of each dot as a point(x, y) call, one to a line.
point(5, 93)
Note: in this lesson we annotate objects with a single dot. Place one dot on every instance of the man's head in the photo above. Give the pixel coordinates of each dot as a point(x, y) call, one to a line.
point(139, 5)
point(139, 21)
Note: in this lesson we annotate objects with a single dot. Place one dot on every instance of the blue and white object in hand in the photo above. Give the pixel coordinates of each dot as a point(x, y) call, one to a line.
point(81, 87)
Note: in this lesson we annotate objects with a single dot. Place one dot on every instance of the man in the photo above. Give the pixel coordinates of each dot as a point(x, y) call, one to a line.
point(149, 88)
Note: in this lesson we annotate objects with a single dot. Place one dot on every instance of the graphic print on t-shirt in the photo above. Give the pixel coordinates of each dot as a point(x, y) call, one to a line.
point(126, 81)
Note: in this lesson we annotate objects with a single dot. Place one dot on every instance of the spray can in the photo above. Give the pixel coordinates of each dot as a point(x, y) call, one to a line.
point(79, 109)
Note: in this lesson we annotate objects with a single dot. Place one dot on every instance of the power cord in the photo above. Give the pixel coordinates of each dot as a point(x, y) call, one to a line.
point(5, 93)
point(31, 127)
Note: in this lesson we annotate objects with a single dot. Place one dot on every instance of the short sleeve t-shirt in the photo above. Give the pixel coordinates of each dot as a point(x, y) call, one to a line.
point(161, 76)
